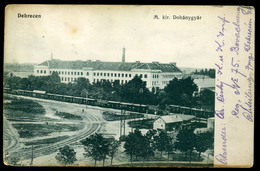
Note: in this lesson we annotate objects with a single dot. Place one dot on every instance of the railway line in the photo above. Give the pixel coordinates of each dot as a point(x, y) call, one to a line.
point(92, 127)
point(11, 141)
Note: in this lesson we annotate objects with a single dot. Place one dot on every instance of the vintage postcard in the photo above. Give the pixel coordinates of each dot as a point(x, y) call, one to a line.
point(129, 86)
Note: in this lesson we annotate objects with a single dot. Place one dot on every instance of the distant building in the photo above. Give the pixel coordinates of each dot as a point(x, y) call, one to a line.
point(205, 83)
point(173, 122)
point(155, 74)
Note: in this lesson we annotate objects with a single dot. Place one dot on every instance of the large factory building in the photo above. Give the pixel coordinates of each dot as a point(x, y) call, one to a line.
point(155, 74)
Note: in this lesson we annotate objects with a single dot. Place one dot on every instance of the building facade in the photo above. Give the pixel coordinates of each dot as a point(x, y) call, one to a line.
point(155, 74)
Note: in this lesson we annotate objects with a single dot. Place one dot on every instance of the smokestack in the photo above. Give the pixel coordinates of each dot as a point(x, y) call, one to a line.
point(123, 56)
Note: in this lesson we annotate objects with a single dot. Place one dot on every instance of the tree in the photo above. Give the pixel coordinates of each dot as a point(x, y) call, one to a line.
point(163, 142)
point(131, 91)
point(66, 155)
point(97, 147)
point(135, 144)
point(13, 158)
point(204, 141)
point(179, 90)
point(113, 147)
point(185, 140)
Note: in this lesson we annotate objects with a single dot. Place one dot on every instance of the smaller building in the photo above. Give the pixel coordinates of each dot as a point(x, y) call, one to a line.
point(173, 122)
point(205, 83)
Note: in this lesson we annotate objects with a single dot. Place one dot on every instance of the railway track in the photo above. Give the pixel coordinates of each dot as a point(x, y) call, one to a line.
point(92, 127)
point(10, 140)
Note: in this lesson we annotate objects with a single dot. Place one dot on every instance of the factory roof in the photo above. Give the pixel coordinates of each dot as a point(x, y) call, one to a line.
point(113, 66)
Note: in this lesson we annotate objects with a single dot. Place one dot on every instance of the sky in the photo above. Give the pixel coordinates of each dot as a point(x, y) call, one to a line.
point(101, 32)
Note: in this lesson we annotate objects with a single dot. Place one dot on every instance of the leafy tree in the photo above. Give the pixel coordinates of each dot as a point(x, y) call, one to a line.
point(163, 142)
point(135, 91)
point(185, 140)
point(66, 155)
point(204, 141)
point(13, 158)
point(96, 147)
point(179, 90)
point(112, 148)
point(134, 144)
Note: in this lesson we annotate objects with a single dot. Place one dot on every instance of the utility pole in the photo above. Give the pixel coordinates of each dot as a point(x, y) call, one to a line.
point(32, 156)
point(122, 122)
point(86, 99)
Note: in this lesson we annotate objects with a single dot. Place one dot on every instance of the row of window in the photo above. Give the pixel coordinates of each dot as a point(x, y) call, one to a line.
point(168, 76)
point(95, 74)
point(69, 73)
point(41, 71)
point(155, 76)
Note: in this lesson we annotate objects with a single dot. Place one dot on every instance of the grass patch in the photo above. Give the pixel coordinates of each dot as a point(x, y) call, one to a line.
point(65, 115)
point(46, 141)
point(30, 130)
point(108, 116)
point(26, 106)
point(142, 124)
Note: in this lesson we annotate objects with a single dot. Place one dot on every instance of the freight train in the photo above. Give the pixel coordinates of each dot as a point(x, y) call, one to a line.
point(149, 109)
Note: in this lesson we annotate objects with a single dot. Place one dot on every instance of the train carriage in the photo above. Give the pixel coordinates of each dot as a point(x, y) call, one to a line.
point(185, 110)
point(113, 104)
point(38, 93)
point(175, 109)
point(68, 98)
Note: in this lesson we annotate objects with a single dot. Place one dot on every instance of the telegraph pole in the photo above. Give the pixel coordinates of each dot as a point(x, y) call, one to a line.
point(32, 156)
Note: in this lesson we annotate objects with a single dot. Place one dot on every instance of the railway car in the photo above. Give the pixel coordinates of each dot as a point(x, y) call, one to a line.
point(79, 100)
point(38, 93)
point(175, 109)
point(7, 90)
point(113, 104)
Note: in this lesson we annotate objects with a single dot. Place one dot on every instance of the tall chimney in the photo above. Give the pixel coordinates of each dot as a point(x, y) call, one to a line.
point(123, 56)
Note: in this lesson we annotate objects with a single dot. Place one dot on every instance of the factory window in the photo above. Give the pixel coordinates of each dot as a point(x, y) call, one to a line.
point(81, 73)
point(75, 73)
point(65, 79)
point(62, 72)
point(108, 74)
point(118, 75)
point(111, 74)
point(65, 72)
point(94, 74)
point(98, 74)
point(59, 72)
point(125, 81)
point(71, 73)
point(101, 74)
point(145, 75)
point(87, 73)
point(105, 74)
point(68, 79)
point(97, 80)
point(37, 71)
point(41, 71)
point(141, 75)
point(122, 75)
point(130, 75)
point(115, 74)
point(136, 75)
point(122, 81)
point(61, 78)
point(94, 80)
point(125, 75)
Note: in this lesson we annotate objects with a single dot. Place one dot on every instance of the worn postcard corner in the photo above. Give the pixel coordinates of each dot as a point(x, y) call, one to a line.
point(129, 86)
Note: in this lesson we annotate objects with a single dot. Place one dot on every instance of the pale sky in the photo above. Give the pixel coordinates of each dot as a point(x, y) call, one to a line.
point(100, 33)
